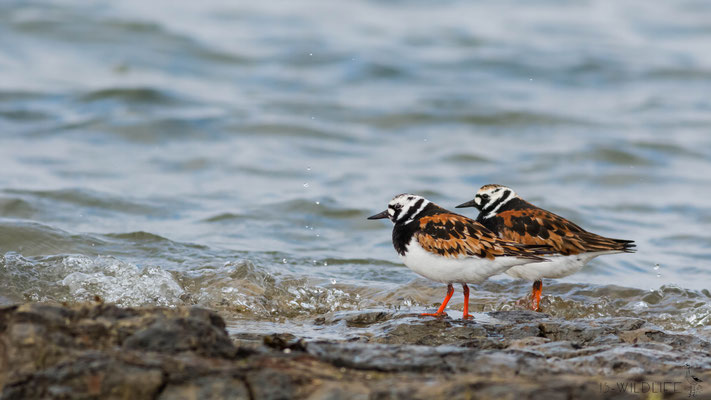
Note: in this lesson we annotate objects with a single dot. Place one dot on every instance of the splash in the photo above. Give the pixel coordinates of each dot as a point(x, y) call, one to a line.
point(119, 282)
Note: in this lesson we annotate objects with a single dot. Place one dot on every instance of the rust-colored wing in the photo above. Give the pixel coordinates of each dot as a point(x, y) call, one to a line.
point(536, 226)
point(453, 235)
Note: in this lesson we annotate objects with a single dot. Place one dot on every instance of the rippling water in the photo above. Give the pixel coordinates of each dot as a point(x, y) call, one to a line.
point(227, 154)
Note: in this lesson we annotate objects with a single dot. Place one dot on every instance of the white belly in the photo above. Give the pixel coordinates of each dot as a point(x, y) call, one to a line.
point(455, 270)
point(557, 267)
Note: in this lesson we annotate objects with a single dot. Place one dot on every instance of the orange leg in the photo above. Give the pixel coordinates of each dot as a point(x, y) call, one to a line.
point(440, 312)
point(466, 314)
point(536, 295)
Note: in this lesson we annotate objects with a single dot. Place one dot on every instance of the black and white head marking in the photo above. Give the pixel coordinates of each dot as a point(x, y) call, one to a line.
point(490, 198)
point(405, 207)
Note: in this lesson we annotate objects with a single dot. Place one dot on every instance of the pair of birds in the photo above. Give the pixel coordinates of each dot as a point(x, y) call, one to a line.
point(510, 235)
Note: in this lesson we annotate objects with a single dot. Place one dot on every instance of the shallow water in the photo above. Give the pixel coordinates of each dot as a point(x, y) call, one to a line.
point(227, 154)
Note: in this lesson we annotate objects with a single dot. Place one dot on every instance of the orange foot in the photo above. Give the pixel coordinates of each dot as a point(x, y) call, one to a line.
point(465, 312)
point(536, 295)
point(437, 314)
point(440, 311)
point(535, 304)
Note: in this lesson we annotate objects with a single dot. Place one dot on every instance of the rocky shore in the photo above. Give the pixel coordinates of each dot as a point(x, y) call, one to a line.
point(102, 351)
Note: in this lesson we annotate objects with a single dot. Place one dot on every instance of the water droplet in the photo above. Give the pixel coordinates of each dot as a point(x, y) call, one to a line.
point(325, 264)
point(318, 203)
point(656, 267)
point(311, 54)
point(659, 275)
point(308, 168)
point(306, 184)
point(318, 235)
point(333, 281)
point(530, 79)
point(313, 117)
point(283, 260)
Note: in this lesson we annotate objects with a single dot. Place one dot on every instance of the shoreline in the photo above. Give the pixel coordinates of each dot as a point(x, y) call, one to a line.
point(105, 351)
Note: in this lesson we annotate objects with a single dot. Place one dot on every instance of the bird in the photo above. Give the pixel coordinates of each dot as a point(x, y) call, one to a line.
point(451, 248)
point(514, 219)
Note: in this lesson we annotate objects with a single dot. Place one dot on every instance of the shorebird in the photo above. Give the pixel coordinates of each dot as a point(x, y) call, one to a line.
point(502, 211)
point(450, 248)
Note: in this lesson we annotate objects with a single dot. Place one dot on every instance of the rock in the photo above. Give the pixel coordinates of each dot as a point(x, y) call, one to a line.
point(435, 332)
point(49, 349)
point(103, 351)
point(284, 341)
point(182, 335)
point(89, 375)
point(272, 383)
point(518, 316)
point(207, 388)
point(367, 319)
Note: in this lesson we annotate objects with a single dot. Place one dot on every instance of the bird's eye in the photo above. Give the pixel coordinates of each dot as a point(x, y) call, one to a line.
point(485, 196)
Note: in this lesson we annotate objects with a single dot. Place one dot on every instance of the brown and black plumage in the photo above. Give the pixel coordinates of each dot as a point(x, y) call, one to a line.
point(450, 248)
point(528, 224)
point(449, 234)
point(516, 220)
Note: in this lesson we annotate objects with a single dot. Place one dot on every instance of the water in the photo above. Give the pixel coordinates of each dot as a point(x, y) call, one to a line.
point(227, 154)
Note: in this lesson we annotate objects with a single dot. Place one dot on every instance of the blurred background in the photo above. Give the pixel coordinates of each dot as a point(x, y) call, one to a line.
point(226, 153)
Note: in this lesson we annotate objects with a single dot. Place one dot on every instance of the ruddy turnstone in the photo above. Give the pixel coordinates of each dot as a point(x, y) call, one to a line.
point(517, 220)
point(450, 248)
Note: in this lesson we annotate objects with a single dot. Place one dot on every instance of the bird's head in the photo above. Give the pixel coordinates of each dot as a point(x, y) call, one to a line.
point(403, 208)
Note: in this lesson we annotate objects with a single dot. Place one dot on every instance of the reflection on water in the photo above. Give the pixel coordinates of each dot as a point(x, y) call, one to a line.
point(227, 154)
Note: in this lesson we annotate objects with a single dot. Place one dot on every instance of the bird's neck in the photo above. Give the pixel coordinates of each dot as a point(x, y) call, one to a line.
point(403, 233)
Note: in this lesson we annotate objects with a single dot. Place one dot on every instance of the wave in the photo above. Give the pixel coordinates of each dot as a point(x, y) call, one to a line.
point(242, 289)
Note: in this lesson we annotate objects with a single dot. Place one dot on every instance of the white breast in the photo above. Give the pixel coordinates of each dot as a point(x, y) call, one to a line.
point(443, 269)
point(558, 266)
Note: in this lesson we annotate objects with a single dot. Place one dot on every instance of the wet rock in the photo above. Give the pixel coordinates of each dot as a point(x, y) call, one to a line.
point(651, 335)
point(426, 359)
point(89, 375)
point(271, 383)
point(534, 342)
point(381, 357)
point(434, 332)
point(594, 332)
point(284, 341)
point(107, 352)
point(207, 388)
point(518, 316)
point(177, 335)
point(51, 348)
point(367, 318)
point(358, 319)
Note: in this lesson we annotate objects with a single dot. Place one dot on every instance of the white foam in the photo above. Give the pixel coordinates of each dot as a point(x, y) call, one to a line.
point(120, 282)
